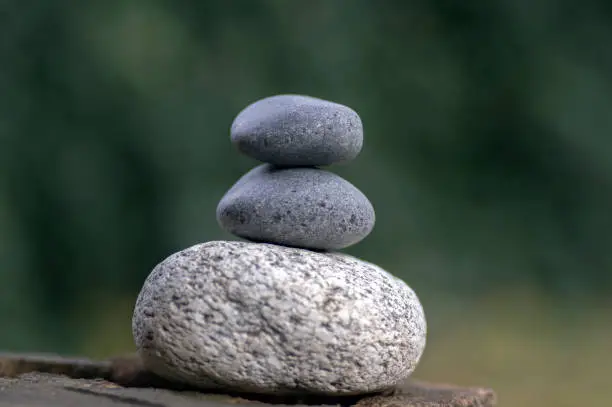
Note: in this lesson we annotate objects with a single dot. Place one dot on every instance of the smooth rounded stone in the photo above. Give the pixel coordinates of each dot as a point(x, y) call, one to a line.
point(263, 318)
point(300, 207)
point(295, 130)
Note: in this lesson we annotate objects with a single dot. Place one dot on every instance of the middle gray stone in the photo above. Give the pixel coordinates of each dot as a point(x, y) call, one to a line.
point(300, 207)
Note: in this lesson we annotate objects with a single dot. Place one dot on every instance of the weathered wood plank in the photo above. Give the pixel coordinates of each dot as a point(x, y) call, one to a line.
point(44, 380)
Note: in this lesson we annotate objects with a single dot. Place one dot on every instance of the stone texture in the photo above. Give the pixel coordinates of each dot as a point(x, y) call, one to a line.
point(295, 130)
point(271, 319)
point(301, 207)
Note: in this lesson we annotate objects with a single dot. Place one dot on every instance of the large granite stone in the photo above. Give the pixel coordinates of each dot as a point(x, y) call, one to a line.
point(269, 319)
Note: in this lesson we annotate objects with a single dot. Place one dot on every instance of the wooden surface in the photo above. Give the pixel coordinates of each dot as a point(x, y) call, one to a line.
point(40, 380)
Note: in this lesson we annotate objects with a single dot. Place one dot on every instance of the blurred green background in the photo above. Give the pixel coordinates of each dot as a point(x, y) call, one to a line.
point(488, 146)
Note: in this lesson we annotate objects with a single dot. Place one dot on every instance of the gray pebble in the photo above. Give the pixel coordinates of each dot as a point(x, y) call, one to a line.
point(271, 319)
point(295, 130)
point(301, 207)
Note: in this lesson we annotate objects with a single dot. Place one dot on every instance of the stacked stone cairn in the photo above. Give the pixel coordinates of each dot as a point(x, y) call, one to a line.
point(284, 313)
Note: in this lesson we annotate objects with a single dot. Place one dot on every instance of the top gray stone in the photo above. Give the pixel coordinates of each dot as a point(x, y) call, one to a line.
point(295, 130)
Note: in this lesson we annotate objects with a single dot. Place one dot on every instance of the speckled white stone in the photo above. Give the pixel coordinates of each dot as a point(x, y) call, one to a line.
point(271, 319)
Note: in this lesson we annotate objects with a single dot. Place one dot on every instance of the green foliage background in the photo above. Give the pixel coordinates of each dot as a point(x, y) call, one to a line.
point(487, 145)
